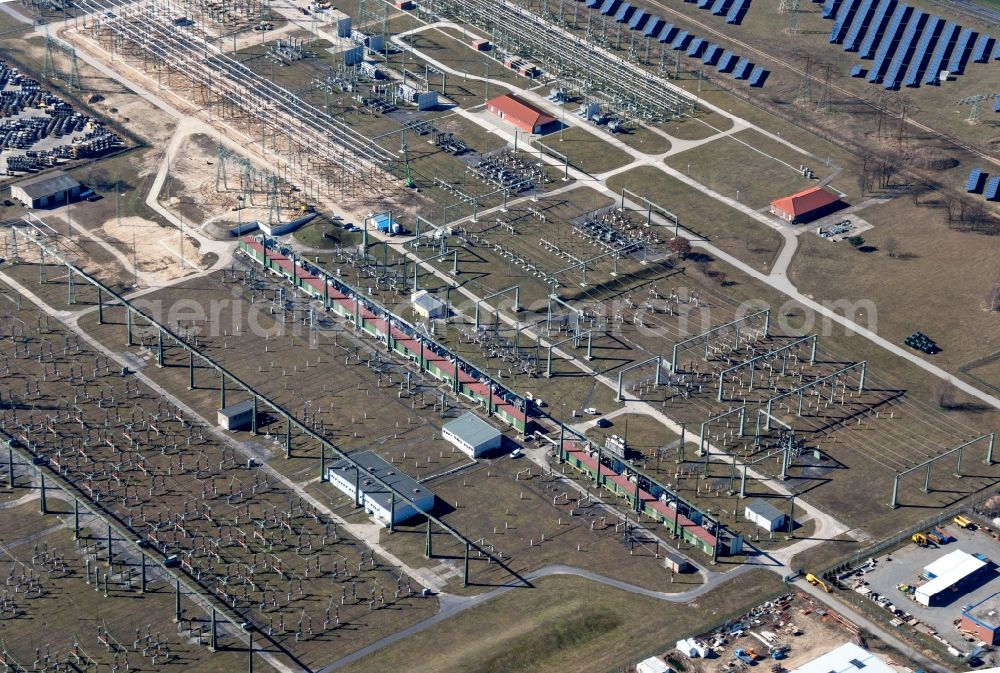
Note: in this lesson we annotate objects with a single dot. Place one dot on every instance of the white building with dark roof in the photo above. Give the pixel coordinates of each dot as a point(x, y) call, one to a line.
point(376, 499)
point(44, 191)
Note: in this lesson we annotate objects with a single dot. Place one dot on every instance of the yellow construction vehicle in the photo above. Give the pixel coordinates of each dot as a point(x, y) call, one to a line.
point(817, 582)
point(963, 521)
point(920, 539)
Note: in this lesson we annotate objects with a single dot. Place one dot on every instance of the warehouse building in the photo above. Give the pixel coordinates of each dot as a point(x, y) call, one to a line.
point(521, 114)
point(951, 573)
point(806, 205)
point(44, 191)
point(765, 515)
point(983, 620)
point(472, 435)
point(848, 658)
point(375, 498)
point(237, 416)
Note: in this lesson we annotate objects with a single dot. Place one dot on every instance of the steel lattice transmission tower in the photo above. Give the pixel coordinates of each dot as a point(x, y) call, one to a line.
point(975, 104)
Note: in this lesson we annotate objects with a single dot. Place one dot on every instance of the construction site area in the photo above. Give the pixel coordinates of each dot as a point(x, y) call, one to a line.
point(334, 331)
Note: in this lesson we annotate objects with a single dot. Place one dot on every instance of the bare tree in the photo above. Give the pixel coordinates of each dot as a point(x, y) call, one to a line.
point(891, 246)
point(993, 298)
point(680, 245)
point(945, 394)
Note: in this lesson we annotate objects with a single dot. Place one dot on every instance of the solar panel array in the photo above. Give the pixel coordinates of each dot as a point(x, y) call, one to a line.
point(907, 45)
point(656, 28)
point(733, 10)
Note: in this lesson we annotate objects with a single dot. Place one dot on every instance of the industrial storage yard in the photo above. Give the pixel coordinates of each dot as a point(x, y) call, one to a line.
point(456, 335)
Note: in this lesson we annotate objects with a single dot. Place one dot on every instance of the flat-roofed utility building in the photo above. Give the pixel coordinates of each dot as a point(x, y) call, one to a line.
point(43, 191)
point(237, 416)
point(472, 435)
point(954, 570)
point(983, 619)
point(379, 501)
point(427, 306)
point(765, 515)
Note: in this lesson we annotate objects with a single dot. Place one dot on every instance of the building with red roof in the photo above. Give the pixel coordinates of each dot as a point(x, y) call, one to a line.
point(520, 113)
point(805, 205)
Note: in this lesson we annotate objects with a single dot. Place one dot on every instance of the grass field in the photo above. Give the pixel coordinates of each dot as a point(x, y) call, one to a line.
point(585, 150)
point(645, 140)
point(703, 125)
point(732, 231)
point(909, 289)
point(735, 166)
point(566, 623)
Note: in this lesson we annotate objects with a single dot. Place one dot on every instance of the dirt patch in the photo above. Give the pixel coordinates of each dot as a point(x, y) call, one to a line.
point(156, 249)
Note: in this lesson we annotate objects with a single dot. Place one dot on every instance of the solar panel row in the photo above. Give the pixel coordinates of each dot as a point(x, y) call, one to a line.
point(904, 52)
point(975, 182)
point(889, 43)
point(638, 20)
point(742, 69)
point(610, 7)
point(991, 188)
point(830, 8)
point(624, 13)
point(883, 14)
point(922, 53)
point(696, 47)
point(862, 18)
point(948, 35)
point(737, 11)
point(720, 7)
point(726, 61)
point(981, 52)
point(757, 77)
point(733, 10)
point(842, 22)
point(960, 54)
point(653, 27)
point(712, 54)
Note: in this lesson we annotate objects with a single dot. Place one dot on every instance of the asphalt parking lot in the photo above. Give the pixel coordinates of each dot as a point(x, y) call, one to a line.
point(905, 565)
